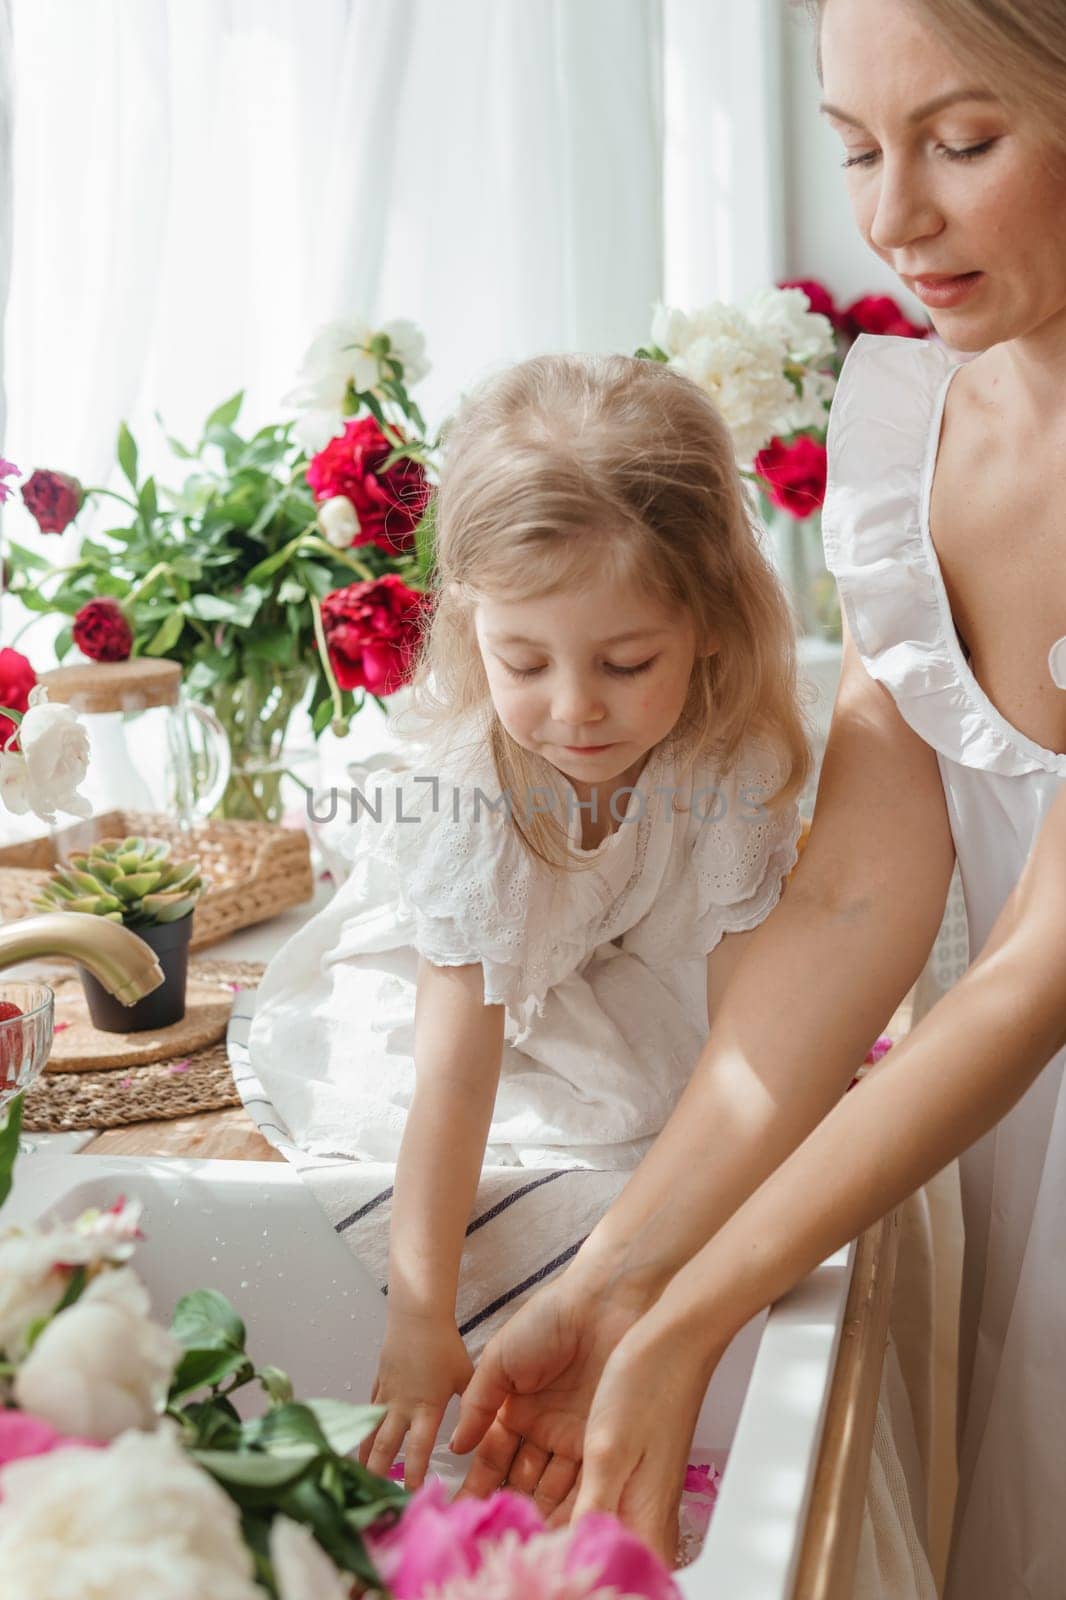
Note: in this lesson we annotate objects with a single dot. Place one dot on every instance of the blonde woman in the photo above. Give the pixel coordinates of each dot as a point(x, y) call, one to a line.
point(945, 530)
point(611, 655)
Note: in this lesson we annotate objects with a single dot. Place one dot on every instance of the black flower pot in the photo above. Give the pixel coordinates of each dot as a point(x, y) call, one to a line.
point(170, 941)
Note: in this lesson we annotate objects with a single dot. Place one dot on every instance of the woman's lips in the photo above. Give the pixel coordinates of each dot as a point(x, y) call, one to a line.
point(942, 290)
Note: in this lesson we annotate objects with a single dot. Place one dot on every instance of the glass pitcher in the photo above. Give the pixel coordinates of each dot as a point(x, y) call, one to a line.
point(150, 748)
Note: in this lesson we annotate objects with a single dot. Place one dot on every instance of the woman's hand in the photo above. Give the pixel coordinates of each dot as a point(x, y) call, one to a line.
point(423, 1362)
point(640, 1427)
point(529, 1399)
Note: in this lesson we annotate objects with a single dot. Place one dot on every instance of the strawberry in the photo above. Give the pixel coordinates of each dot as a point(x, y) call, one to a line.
point(10, 1045)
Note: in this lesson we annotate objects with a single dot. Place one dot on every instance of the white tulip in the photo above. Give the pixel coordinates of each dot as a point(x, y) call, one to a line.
point(102, 1365)
point(302, 1568)
point(339, 521)
point(137, 1521)
point(55, 749)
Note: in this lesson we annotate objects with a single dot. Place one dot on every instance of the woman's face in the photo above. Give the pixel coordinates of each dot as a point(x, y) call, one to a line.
point(963, 198)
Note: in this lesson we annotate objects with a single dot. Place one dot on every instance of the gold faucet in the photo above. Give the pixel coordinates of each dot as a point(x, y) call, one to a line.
point(124, 964)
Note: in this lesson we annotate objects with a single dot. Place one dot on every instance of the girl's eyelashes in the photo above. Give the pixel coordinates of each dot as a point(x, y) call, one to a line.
point(620, 672)
point(967, 152)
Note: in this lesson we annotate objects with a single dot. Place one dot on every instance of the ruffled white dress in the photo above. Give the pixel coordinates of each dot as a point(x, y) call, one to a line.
point(1009, 1535)
point(602, 971)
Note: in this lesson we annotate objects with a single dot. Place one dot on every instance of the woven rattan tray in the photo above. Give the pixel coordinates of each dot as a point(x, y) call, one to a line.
point(254, 870)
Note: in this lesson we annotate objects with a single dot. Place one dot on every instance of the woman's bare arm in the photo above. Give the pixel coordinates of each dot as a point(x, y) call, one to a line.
point(815, 986)
point(961, 1070)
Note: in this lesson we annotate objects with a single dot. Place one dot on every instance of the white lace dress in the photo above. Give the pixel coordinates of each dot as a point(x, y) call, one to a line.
point(602, 972)
point(1010, 1532)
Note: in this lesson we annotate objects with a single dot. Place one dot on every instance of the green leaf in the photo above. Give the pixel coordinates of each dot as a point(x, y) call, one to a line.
point(211, 608)
point(291, 593)
point(270, 644)
point(216, 1422)
point(199, 1367)
point(205, 1320)
point(127, 454)
point(167, 635)
point(252, 1468)
point(225, 415)
point(148, 500)
point(286, 1430)
point(64, 641)
point(322, 717)
point(345, 1426)
point(9, 1145)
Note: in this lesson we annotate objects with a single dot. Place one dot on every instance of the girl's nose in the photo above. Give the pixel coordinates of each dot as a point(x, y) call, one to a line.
point(574, 703)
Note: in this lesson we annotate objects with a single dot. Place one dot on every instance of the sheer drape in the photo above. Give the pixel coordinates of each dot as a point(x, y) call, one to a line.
point(196, 184)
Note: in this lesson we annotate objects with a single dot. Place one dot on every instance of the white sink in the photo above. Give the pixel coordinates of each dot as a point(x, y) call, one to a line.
point(251, 1230)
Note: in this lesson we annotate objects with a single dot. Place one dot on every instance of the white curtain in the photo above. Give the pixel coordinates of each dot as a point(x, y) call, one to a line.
point(198, 183)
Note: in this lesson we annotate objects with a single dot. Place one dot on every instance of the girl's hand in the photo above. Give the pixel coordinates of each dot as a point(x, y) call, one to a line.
point(639, 1434)
point(423, 1362)
point(527, 1404)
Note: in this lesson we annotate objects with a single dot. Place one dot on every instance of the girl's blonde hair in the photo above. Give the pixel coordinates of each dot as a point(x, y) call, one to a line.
point(1017, 47)
point(567, 471)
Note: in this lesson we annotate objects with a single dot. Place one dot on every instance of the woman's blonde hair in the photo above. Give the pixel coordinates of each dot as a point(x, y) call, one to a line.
point(567, 471)
point(1017, 47)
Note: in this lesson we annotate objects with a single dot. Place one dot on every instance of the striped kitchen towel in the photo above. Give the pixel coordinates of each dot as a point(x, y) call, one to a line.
point(526, 1224)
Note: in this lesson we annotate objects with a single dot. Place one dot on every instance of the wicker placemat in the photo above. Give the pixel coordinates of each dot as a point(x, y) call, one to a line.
point(79, 1047)
point(200, 1081)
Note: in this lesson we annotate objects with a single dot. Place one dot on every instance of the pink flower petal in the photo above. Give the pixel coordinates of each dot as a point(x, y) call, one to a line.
point(180, 1066)
point(58, 1027)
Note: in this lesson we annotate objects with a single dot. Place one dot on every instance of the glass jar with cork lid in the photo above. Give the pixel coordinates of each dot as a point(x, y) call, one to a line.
point(151, 748)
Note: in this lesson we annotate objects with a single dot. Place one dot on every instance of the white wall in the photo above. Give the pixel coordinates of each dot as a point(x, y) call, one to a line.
point(820, 239)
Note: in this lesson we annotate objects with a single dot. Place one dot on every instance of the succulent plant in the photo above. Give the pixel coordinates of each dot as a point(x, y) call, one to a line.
point(125, 880)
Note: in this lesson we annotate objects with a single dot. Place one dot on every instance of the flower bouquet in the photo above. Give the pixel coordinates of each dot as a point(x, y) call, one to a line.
point(771, 367)
point(289, 566)
point(126, 1467)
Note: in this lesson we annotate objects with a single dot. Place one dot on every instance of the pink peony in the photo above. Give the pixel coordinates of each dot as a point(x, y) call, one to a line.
point(373, 633)
point(102, 632)
point(617, 1559)
point(879, 313)
point(388, 501)
point(53, 499)
point(438, 1539)
point(23, 1435)
point(878, 1049)
point(17, 678)
point(8, 469)
point(794, 474)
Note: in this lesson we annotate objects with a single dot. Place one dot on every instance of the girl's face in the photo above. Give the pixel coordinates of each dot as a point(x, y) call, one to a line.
point(591, 680)
point(963, 198)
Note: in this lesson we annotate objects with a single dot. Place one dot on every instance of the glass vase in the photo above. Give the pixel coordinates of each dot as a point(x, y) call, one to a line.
point(255, 711)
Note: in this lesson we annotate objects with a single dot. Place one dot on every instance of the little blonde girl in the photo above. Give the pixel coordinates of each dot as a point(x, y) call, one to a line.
point(540, 912)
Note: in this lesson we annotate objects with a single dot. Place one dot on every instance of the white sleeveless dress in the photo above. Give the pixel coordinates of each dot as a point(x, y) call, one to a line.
point(1009, 1537)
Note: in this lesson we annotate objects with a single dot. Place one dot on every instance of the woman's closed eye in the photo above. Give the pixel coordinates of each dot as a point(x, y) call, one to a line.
point(965, 152)
point(621, 672)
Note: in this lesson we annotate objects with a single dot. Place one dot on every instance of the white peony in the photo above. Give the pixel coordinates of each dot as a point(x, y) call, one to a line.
point(35, 1265)
point(806, 337)
point(340, 356)
point(138, 1521)
point(809, 409)
point(53, 760)
point(339, 521)
point(102, 1365)
point(302, 1568)
point(408, 344)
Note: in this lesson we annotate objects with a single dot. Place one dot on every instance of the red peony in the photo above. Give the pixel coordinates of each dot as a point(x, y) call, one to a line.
point(879, 313)
point(794, 474)
point(373, 632)
point(17, 678)
point(101, 631)
point(389, 504)
point(821, 300)
point(52, 498)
